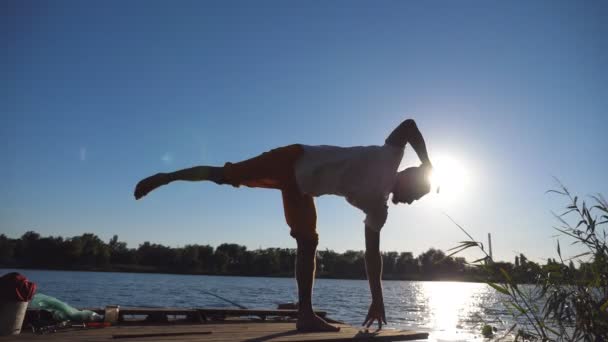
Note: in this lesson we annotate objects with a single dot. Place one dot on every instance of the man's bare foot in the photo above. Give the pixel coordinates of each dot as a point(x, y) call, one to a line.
point(148, 184)
point(314, 323)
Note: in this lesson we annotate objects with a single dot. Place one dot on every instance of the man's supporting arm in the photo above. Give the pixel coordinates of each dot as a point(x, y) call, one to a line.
point(373, 266)
point(407, 132)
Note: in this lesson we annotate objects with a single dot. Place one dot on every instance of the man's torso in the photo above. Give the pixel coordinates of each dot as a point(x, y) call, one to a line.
point(364, 175)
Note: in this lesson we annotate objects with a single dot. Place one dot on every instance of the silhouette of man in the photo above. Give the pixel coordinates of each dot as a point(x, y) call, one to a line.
point(363, 175)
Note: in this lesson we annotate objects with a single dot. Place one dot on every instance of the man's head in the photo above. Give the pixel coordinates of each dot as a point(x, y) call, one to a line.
point(412, 183)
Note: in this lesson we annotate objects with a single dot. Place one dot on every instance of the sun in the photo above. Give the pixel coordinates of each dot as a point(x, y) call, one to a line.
point(450, 178)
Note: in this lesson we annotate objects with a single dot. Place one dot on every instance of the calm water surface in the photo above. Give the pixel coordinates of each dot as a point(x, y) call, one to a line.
point(451, 311)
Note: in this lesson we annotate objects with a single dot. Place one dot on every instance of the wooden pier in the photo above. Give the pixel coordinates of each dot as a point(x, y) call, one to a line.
point(213, 325)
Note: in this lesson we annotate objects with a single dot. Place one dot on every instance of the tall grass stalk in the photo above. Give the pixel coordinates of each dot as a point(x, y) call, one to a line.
point(562, 304)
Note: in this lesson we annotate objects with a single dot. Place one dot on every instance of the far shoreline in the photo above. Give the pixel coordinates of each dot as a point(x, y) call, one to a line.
point(139, 270)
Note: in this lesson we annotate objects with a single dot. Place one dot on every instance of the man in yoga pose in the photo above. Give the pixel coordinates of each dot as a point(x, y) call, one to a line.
point(363, 175)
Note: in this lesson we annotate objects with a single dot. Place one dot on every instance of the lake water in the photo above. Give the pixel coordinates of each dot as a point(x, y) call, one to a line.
point(450, 311)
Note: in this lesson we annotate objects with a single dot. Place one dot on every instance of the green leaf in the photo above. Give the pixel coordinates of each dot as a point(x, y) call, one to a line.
point(511, 329)
point(506, 275)
point(464, 244)
point(604, 306)
point(578, 256)
point(567, 233)
point(499, 288)
point(567, 212)
point(455, 252)
point(550, 329)
point(519, 308)
point(479, 260)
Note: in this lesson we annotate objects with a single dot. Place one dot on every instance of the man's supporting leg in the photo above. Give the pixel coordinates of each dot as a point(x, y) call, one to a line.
point(301, 216)
point(197, 173)
point(305, 275)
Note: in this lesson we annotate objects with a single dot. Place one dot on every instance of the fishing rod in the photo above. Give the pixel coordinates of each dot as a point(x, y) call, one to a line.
point(224, 299)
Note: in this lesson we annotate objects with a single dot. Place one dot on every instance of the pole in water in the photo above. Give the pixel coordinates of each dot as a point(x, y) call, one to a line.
point(490, 244)
point(224, 299)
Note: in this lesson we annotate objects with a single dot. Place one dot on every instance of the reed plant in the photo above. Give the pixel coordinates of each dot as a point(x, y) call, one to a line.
point(562, 303)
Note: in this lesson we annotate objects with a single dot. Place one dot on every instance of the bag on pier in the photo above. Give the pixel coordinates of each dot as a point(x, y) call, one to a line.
point(62, 311)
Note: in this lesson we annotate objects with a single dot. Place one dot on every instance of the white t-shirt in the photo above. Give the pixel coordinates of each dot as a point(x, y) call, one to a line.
point(364, 175)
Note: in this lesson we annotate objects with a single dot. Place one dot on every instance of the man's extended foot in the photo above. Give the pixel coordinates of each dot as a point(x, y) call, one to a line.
point(148, 184)
point(314, 323)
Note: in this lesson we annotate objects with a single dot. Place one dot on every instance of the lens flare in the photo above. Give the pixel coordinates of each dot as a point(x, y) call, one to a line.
point(449, 178)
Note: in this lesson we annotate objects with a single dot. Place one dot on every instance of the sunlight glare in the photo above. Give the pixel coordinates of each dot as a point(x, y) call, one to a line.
point(451, 177)
point(450, 304)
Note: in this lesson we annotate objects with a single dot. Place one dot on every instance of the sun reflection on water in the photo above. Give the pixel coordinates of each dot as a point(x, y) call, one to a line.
point(449, 304)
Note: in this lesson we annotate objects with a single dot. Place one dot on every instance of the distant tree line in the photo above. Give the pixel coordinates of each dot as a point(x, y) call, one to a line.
point(89, 252)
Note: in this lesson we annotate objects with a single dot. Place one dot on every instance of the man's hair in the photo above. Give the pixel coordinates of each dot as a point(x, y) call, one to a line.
point(415, 179)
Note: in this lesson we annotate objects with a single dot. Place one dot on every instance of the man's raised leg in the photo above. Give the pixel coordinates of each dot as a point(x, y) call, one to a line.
point(305, 275)
point(197, 173)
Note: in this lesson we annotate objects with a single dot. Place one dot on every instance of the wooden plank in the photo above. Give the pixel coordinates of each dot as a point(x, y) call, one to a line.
point(262, 313)
point(192, 314)
point(165, 334)
point(217, 311)
point(245, 330)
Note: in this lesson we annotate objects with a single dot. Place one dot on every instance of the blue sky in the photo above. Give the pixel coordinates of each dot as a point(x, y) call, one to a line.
point(96, 96)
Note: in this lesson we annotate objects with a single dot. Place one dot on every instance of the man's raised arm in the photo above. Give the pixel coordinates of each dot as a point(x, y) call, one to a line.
point(373, 266)
point(407, 132)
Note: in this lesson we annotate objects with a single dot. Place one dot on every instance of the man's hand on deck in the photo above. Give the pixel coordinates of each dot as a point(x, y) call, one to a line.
point(375, 313)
